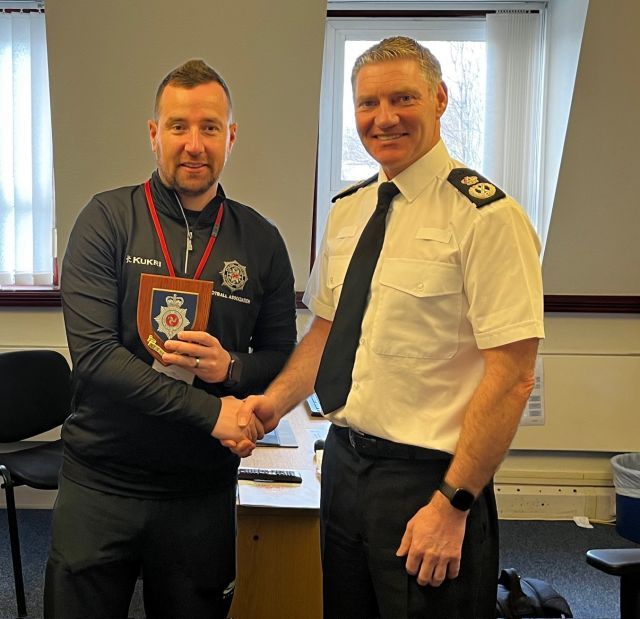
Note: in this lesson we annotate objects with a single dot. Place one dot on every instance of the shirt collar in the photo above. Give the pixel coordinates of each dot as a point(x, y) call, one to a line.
point(421, 173)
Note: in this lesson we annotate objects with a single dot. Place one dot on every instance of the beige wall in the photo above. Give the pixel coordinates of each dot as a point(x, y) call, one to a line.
point(105, 63)
point(593, 245)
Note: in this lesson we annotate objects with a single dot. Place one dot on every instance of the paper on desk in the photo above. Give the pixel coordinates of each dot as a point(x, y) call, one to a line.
point(297, 496)
point(282, 436)
point(319, 432)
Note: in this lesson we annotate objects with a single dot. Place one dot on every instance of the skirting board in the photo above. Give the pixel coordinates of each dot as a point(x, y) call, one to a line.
point(520, 501)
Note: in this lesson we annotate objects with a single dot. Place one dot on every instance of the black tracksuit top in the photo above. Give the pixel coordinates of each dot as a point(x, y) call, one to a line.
point(132, 430)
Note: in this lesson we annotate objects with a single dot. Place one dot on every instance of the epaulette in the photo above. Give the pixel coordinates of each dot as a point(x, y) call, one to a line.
point(349, 190)
point(475, 187)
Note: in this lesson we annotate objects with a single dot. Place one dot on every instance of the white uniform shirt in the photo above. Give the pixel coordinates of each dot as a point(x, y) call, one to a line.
point(451, 279)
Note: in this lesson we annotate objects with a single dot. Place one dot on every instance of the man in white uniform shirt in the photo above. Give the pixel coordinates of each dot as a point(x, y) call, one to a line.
point(443, 367)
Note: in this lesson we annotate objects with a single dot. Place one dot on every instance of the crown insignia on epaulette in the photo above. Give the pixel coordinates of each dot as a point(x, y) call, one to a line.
point(475, 187)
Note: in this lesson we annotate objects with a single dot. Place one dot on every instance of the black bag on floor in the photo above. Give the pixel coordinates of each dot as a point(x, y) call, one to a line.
point(528, 597)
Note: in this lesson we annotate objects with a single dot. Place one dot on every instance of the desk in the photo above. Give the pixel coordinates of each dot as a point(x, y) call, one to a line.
point(279, 574)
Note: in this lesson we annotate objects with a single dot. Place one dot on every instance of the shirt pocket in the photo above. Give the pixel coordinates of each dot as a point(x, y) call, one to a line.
point(442, 235)
point(419, 309)
point(336, 270)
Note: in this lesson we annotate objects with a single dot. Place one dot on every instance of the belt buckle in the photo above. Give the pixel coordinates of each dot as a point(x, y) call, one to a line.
point(363, 443)
point(351, 439)
point(357, 439)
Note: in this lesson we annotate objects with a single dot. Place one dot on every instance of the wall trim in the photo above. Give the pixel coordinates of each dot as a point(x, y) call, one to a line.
point(599, 304)
point(25, 297)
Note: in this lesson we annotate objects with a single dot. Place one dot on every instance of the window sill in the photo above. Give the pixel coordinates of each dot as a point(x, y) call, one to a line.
point(581, 304)
point(30, 296)
point(49, 296)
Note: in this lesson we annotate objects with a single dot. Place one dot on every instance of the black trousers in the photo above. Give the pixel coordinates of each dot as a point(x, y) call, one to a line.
point(366, 503)
point(100, 542)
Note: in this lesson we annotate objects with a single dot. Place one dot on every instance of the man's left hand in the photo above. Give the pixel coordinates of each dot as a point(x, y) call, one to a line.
point(432, 542)
point(200, 353)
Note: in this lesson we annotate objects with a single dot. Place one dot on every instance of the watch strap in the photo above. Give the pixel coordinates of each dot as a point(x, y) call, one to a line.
point(233, 372)
point(460, 498)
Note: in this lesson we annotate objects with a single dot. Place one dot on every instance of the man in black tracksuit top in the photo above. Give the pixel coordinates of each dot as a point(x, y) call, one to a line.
point(146, 483)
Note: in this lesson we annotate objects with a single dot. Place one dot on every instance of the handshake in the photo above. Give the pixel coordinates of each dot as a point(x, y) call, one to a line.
point(243, 422)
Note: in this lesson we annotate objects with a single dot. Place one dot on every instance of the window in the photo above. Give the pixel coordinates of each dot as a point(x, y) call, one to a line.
point(26, 161)
point(492, 65)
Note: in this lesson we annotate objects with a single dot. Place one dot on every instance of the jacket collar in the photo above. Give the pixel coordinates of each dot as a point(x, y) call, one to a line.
point(167, 203)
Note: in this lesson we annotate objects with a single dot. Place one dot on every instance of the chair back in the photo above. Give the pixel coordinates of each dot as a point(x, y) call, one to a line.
point(35, 393)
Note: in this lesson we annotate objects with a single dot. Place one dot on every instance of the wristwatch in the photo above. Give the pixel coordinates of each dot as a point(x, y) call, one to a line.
point(458, 497)
point(233, 372)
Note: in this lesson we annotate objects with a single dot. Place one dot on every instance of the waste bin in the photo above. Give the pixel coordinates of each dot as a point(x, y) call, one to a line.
point(626, 479)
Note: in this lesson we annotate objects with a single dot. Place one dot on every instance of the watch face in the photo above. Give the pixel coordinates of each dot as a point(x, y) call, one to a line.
point(458, 497)
point(462, 499)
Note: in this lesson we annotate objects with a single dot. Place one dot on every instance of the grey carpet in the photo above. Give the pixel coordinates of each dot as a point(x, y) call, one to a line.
point(552, 551)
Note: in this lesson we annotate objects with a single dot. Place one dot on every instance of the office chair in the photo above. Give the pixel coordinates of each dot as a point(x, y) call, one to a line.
point(623, 562)
point(36, 396)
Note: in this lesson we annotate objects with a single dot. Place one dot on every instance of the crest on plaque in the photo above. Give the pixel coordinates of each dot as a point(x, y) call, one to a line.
point(169, 305)
point(173, 317)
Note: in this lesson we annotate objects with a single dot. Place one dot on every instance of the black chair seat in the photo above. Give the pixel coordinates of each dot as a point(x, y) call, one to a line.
point(616, 561)
point(37, 467)
point(624, 563)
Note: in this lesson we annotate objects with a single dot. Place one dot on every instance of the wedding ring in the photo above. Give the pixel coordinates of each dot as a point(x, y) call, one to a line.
point(197, 362)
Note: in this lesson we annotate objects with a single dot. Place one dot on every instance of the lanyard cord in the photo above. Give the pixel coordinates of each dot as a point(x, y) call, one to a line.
point(163, 243)
point(188, 244)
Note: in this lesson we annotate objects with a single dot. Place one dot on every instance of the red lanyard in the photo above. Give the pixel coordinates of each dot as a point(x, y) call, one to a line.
point(163, 242)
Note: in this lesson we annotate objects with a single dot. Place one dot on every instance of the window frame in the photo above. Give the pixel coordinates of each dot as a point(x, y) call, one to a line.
point(338, 30)
point(358, 11)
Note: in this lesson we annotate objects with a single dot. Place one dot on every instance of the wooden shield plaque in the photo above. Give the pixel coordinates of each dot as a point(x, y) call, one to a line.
point(168, 305)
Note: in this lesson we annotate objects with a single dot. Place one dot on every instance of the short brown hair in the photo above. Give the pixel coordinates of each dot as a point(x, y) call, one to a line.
point(395, 48)
point(189, 75)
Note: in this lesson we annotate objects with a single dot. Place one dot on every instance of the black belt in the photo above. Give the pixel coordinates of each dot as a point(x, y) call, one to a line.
point(375, 447)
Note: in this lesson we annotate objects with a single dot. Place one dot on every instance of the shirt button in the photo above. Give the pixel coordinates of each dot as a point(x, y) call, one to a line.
point(361, 341)
point(420, 286)
point(355, 386)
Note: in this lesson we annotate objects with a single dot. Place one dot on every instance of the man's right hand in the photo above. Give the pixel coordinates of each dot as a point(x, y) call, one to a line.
point(258, 407)
point(261, 406)
point(228, 430)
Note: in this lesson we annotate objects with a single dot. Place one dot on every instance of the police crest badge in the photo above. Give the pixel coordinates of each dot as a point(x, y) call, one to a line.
point(169, 305)
point(234, 275)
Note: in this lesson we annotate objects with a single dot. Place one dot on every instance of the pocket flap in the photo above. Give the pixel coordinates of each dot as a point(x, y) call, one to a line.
point(346, 232)
point(336, 270)
point(421, 278)
point(434, 234)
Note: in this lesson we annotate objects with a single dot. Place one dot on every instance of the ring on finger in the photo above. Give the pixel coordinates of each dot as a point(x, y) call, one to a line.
point(197, 363)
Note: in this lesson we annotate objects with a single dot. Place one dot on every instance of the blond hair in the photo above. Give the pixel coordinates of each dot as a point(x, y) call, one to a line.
point(396, 48)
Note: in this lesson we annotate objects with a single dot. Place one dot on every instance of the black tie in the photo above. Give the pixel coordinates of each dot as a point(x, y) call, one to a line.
point(333, 382)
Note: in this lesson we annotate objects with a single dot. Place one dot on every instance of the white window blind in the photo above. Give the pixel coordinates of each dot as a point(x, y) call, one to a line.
point(513, 125)
point(27, 229)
